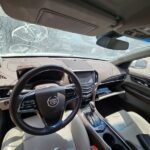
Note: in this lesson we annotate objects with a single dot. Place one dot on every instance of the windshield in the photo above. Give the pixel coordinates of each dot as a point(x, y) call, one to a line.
point(19, 38)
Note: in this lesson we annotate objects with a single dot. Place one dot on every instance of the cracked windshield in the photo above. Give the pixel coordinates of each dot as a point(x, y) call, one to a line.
point(19, 38)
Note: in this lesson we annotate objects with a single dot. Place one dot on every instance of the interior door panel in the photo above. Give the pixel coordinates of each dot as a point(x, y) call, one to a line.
point(138, 93)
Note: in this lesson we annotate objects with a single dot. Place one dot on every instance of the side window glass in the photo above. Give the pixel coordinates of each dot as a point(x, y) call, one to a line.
point(140, 67)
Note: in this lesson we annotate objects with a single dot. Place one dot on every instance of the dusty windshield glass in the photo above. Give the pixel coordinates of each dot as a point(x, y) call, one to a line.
point(19, 38)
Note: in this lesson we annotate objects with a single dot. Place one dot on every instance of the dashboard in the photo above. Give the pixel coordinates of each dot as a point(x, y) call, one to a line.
point(87, 79)
point(90, 73)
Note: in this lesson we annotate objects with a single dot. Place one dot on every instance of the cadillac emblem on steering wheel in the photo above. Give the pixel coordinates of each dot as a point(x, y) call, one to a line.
point(52, 101)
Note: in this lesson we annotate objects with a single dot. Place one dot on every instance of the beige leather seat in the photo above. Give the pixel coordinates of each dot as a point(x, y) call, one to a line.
point(72, 137)
point(129, 125)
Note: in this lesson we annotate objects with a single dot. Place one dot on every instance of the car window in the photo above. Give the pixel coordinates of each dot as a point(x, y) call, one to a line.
point(140, 67)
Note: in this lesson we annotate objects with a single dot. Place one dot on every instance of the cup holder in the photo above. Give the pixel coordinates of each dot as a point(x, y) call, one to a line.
point(109, 139)
point(117, 147)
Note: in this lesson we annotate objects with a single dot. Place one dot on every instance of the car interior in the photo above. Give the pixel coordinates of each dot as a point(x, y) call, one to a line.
point(58, 91)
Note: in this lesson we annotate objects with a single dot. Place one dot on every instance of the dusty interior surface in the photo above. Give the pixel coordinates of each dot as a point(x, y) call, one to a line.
point(104, 69)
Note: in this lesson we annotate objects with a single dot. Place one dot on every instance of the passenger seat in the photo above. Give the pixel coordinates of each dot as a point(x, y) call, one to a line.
point(129, 125)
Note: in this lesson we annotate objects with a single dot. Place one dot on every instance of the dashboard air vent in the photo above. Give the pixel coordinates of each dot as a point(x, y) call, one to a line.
point(4, 93)
point(119, 78)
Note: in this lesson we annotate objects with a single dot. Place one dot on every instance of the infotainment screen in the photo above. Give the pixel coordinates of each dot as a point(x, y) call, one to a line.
point(86, 77)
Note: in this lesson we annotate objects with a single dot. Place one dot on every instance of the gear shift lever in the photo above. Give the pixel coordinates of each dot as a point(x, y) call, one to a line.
point(92, 106)
point(94, 120)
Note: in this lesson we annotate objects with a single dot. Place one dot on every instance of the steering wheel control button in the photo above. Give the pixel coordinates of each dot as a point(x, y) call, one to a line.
point(53, 101)
point(28, 103)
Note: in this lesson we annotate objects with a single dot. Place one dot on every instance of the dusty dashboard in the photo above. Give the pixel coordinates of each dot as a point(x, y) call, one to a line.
point(88, 71)
point(87, 80)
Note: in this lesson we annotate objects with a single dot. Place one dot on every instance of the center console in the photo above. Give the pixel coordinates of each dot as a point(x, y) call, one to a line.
point(98, 128)
point(107, 138)
point(87, 80)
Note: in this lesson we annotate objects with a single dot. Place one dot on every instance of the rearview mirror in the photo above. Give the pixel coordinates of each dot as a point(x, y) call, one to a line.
point(112, 43)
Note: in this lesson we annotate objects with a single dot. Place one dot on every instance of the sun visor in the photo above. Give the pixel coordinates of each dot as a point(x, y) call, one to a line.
point(69, 15)
point(60, 21)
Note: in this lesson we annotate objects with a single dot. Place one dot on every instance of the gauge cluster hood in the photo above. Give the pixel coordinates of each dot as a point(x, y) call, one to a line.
point(89, 17)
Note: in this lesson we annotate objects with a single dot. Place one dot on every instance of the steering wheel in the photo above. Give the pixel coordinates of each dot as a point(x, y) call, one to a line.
point(48, 103)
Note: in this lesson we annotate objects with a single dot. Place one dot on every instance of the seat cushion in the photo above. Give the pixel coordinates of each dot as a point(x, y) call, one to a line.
point(129, 125)
point(68, 138)
point(13, 140)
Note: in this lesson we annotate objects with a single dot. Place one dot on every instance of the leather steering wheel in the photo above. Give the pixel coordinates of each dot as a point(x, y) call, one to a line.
point(49, 103)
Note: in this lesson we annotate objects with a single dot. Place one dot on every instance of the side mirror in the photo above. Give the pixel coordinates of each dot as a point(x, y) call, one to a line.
point(112, 43)
point(139, 64)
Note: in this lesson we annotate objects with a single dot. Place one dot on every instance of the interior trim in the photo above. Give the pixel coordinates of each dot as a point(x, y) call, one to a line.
point(110, 95)
point(138, 95)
